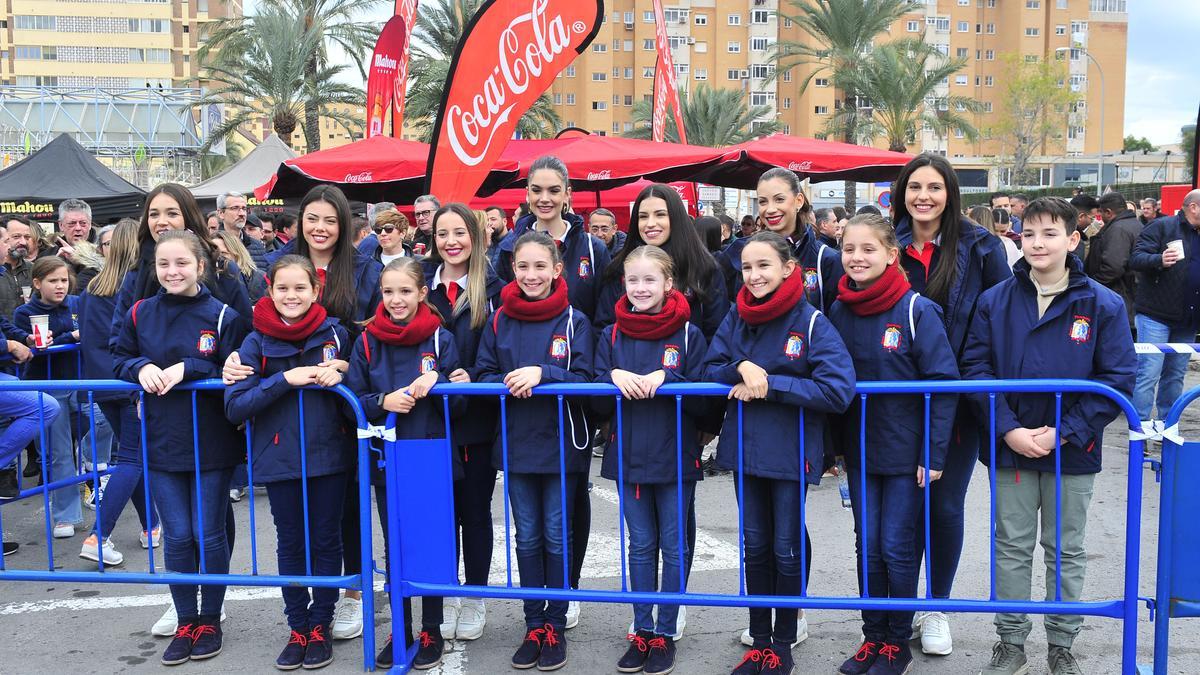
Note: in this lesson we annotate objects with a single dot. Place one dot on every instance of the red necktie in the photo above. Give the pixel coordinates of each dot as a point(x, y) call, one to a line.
point(452, 293)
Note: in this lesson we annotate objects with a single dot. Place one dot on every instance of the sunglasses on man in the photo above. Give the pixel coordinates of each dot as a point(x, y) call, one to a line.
point(380, 229)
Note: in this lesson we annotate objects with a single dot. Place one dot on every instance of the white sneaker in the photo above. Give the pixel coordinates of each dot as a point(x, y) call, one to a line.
point(111, 555)
point(572, 614)
point(167, 624)
point(235, 495)
point(347, 619)
point(801, 632)
point(934, 629)
point(64, 530)
point(145, 540)
point(680, 623)
point(472, 618)
point(450, 609)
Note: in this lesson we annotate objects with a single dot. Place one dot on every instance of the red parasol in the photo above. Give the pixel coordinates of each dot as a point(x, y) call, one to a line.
point(606, 162)
point(819, 161)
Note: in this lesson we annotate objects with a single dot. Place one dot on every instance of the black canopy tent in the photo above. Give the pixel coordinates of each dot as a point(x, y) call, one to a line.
point(64, 169)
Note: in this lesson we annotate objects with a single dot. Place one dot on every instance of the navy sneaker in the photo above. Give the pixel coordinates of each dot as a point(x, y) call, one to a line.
point(639, 648)
point(554, 649)
point(662, 656)
point(893, 659)
point(751, 664)
point(383, 660)
point(319, 651)
point(777, 660)
point(530, 650)
point(862, 660)
point(180, 649)
point(292, 656)
point(429, 653)
point(206, 638)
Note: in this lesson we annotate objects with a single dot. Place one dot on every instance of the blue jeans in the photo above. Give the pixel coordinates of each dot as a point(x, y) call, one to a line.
point(891, 510)
point(58, 461)
point(81, 425)
point(947, 503)
point(24, 410)
point(125, 481)
point(653, 517)
point(1165, 371)
point(771, 516)
point(537, 509)
point(324, 556)
point(175, 495)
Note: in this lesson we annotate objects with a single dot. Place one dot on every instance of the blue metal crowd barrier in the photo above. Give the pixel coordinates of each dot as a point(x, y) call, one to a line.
point(362, 581)
point(420, 488)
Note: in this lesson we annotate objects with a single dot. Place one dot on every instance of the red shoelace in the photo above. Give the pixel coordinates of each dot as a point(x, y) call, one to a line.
point(865, 651)
point(658, 643)
point(637, 640)
point(317, 634)
point(754, 655)
point(770, 659)
point(890, 651)
point(184, 631)
point(551, 636)
point(535, 635)
point(298, 639)
point(202, 630)
point(425, 639)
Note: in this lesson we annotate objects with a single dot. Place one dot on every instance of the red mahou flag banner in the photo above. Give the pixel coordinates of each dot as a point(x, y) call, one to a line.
point(666, 91)
point(509, 54)
point(406, 11)
point(390, 49)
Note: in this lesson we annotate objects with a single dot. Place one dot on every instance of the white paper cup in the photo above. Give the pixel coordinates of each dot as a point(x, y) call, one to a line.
point(27, 292)
point(1176, 246)
point(40, 329)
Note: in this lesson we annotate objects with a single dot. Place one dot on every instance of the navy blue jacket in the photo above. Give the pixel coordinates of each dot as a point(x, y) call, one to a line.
point(1164, 293)
point(584, 257)
point(366, 283)
point(651, 451)
point(96, 330)
point(200, 332)
point(258, 252)
point(563, 347)
point(1084, 335)
point(982, 263)
point(478, 423)
point(274, 406)
point(808, 370)
point(707, 312)
point(899, 346)
point(821, 265)
point(64, 319)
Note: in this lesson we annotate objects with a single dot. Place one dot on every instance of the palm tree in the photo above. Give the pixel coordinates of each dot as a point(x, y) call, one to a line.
point(900, 80)
point(713, 118)
point(840, 32)
point(212, 164)
point(334, 20)
point(267, 75)
point(440, 25)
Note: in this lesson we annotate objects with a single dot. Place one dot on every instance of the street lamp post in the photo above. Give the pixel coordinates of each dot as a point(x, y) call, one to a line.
point(1100, 144)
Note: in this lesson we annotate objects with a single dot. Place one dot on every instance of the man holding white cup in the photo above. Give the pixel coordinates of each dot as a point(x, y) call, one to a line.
point(1166, 258)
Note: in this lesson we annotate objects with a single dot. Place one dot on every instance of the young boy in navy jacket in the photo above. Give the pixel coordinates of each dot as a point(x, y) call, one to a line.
point(401, 355)
point(892, 333)
point(1048, 321)
point(789, 367)
point(292, 337)
point(653, 342)
point(537, 336)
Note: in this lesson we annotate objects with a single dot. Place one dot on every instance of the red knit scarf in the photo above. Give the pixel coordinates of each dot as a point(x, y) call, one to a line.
point(417, 330)
point(879, 297)
point(268, 322)
point(640, 326)
point(516, 305)
point(783, 300)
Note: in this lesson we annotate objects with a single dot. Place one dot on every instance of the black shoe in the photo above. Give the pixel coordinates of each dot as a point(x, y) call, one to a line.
point(529, 651)
point(639, 648)
point(662, 656)
point(180, 649)
point(8, 484)
point(292, 656)
point(429, 651)
point(319, 651)
point(894, 659)
point(554, 649)
point(383, 660)
point(751, 664)
point(777, 660)
point(33, 463)
point(862, 660)
point(11, 547)
point(206, 638)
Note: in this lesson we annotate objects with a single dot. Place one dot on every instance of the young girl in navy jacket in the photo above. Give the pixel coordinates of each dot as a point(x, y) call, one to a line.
point(652, 343)
point(465, 290)
point(181, 334)
point(401, 355)
point(788, 365)
point(537, 337)
point(292, 336)
point(892, 333)
point(51, 280)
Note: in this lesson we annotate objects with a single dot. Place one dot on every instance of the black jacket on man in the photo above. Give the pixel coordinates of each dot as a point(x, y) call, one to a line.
point(1163, 294)
point(1108, 256)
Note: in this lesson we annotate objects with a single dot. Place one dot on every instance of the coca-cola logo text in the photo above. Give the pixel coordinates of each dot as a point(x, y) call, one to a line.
point(361, 177)
point(800, 166)
point(600, 175)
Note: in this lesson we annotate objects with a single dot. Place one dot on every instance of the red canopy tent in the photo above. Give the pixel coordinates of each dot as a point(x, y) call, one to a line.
point(606, 162)
point(380, 168)
point(819, 161)
point(618, 200)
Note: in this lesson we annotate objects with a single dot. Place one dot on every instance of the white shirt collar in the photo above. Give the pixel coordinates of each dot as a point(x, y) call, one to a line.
point(437, 279)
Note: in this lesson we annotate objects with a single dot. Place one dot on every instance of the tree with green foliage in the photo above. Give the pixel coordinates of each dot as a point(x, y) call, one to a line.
point(1032, 112)
point(713, 118)
point(212, 164)
point(1134, 144)
point(1188, 141)
point(839, 33)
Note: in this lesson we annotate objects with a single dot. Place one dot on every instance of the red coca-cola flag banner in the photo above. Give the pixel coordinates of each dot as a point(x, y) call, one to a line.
point(385, 61)
point(666, 91)
point(509, 54)
point(406, 11)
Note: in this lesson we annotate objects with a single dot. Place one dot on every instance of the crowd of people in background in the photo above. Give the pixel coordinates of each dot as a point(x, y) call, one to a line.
point(777, 305)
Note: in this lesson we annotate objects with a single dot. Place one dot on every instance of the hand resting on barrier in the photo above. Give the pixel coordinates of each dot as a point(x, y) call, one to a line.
point(753, 384)
point(234, 371)
point(19, 352)
point(459, 376)
point(420, 387)
point(634, 386)
point(521, 381)
point(159, 381)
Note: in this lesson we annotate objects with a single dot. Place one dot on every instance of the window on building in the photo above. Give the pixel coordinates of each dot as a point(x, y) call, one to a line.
point(648, 16)
point(616, 127)
point(787, 103)
point(962, 53)
point(990, 29)
point(762, 97)
point(758, 44)
point(734, 19)
point(676, 15)
point(569, 71)
point(940, 24)
point(599, 77)
point(1031, 58)
point(964, 26)
point(787, 76)
point(701, 47)
point(989, 55)
point(599, 105)
point(600, 47)
point(1061, 4)
point(616, 100)
point(1032, 31)
point(913, 26)
point(960, 80)
point(647, 72)
point(700, 73)
point(648, 44)
point(628, 73)
point(1060, 30)
point(27, 52)
point(682, 69)
point(821, 110)
point(32, 22)
point(628, 100)
point(820, 81)
point(760, 71)
point(570, 100)
point(626, 19)
point(734, 47)
point(1079, 27)
point(677, 41)
point(627, 45)
point(760, 16)
point(1033, 4)
point(616, 73)
point(989, 81)
point(558, 99)
point(1108, 6)
point(987, 106)
point(701, 19)
point(733, 74)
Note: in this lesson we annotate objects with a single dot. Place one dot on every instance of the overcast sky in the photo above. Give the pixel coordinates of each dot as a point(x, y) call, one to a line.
point(1162, 85)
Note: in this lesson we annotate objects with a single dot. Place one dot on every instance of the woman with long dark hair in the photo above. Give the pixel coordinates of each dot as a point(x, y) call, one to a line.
point(952, 261)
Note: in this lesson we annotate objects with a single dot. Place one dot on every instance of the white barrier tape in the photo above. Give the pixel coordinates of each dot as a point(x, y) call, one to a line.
point(1165, 348)
point(1154, 430)
point(377, 432)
